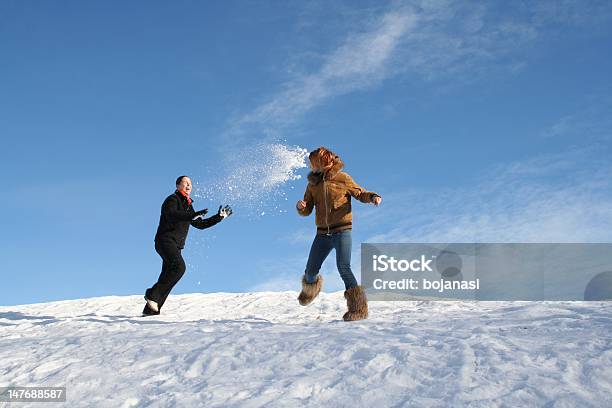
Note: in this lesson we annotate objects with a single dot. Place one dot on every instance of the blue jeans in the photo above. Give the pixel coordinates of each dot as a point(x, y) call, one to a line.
point(322, 246)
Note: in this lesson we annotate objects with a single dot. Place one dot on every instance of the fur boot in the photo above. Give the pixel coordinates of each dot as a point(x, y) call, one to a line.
point(357, 304)
point(310, 290)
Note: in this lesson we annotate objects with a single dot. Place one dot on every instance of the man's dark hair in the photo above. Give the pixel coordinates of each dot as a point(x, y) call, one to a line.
point(178, 180)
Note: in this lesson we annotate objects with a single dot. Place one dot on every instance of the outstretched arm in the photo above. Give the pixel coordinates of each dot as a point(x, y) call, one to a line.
point(360, 193)
point(200, 222)
point(203, 223)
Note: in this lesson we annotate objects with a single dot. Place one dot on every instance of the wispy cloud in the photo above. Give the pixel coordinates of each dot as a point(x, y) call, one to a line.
point(551, 198)
point(358, 63)
point(573, 12)
point(424, 40)
point(299, 237)
point(592, 122)
point(285, 273)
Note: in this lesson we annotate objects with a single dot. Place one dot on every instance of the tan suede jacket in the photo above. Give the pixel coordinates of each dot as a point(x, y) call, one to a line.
point(330, 194)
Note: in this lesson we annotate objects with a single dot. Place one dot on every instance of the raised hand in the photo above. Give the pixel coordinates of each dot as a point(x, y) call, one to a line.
point(225, 212)
point(300, 205)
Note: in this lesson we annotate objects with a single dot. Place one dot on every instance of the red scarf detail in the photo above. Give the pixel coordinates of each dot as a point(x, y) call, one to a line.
point(189, 200)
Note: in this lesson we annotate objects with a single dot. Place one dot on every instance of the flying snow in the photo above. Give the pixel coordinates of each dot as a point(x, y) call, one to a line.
point(255, 179)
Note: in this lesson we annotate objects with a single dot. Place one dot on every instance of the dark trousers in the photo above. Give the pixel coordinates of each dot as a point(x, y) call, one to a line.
point(173, 268)
point(322, 246)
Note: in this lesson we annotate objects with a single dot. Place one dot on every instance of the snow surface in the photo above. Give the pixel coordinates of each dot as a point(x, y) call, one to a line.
point(256, 349)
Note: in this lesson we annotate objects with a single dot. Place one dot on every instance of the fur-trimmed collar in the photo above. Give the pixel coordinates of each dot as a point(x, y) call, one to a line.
point(315, 178)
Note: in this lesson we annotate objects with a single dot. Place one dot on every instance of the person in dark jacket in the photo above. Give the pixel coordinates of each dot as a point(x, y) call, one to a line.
point(177, 215)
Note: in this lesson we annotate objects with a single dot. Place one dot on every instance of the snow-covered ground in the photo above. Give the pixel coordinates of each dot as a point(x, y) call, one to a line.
point(256, 349)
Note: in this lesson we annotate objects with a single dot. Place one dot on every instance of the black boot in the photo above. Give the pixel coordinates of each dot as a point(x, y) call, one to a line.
point(151, 303)
point(147, 311)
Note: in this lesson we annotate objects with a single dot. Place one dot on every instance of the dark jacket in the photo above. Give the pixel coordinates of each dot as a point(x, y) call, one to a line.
point(176, 217)
point(330, 195)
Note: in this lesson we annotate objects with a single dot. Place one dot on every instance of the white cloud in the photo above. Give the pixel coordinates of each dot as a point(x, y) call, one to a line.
point(360, 62)
point(285, 273)
point(300, 236)
point(277, 284)
point(431, 40)
point(591, 122)
point(573, 12)
point(553, 198)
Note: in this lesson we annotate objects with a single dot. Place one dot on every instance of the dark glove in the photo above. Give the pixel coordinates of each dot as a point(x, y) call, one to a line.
point(199, 214)
point(224, 211)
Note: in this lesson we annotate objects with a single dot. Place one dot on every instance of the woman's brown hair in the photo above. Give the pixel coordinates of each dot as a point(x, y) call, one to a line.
point(322, 158)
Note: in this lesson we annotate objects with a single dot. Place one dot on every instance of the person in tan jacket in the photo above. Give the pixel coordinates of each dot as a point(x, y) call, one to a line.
point(329, 192)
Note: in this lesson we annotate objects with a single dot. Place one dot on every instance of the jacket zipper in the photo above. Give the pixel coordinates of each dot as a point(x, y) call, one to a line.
point(325, 198)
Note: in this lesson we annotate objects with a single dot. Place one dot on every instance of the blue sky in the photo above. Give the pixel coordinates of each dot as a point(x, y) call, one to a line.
point(476, 121)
